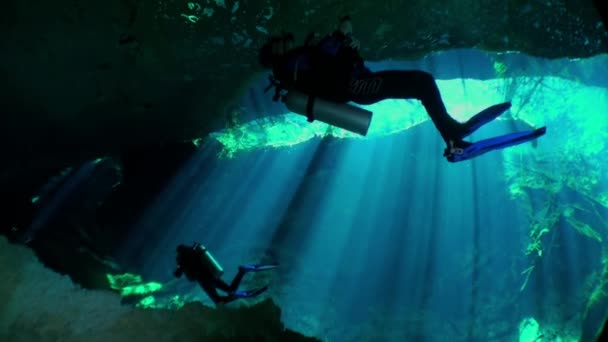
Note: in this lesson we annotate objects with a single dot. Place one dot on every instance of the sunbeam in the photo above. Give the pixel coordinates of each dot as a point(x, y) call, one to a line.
point(379, 236)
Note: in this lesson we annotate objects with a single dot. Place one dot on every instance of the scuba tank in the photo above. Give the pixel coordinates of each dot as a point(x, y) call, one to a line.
point(342, 115)
point(209, 262)
point(298, 64)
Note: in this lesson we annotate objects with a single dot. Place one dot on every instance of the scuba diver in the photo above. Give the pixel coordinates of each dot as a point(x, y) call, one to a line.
point(197, 263)
point(321, 77)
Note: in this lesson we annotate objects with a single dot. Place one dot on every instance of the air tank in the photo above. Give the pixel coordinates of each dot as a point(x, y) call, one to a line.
point(342, 115)
point(210, 263)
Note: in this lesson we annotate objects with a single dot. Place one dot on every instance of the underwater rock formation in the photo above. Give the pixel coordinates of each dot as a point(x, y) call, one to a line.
point(84, 79)
point(37, 304)
point(601, 8)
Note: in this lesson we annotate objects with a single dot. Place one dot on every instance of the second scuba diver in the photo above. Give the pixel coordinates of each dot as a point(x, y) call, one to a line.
point(197, 263)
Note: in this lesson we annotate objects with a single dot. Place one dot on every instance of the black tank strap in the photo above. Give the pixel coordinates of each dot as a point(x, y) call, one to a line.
point(310, 107)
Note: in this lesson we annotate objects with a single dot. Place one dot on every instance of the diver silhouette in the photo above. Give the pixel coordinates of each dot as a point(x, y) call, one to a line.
point(197, 263)
point(333, 70)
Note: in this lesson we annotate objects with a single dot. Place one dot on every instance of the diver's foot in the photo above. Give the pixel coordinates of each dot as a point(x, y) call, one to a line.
point(255, 268)
point(458, 131)
point(455, 147)
point(462, 150)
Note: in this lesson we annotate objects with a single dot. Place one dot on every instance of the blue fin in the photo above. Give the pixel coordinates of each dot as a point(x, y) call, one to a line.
point(255, 268)
point(250, 293)
point(472, 150)
point(483, 117)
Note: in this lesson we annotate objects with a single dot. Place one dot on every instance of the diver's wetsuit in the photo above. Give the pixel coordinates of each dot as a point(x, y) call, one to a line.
point(189, 263)
point(409, 84)
point(332, 70)
point(366, 87)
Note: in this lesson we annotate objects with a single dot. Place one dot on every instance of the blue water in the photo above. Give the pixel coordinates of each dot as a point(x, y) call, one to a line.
point(382, 240)
point(380, 231)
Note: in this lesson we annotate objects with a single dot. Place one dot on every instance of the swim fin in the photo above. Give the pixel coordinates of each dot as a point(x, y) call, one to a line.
point(256, 268)
point(465, 150)
point(250, 293)
point(485, 116)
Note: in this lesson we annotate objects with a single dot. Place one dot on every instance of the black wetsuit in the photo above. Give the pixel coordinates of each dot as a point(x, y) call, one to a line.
point(406, 84)
point(189, 262)
point(335, 71)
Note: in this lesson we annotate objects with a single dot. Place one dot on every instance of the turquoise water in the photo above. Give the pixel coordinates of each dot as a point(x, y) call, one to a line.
point(380, 239)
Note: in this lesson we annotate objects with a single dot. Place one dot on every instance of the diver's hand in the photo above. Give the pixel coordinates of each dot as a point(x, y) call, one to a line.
point(313, 38)
point(355, 44)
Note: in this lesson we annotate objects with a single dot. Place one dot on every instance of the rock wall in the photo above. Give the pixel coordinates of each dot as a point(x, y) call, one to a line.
point(37, 304)
point(80, 79)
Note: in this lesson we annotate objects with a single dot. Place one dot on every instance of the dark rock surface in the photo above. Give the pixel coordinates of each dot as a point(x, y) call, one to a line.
point(84, 79)
point(37, 304)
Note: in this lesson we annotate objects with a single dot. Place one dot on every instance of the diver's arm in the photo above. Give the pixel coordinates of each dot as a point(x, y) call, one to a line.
point(354, 44)
point(312, 39)
point(325, 39)
point(350, 59)
point(348, 52)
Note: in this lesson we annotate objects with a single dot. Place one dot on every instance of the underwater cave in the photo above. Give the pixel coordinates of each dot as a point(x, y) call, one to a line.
point(132, 128)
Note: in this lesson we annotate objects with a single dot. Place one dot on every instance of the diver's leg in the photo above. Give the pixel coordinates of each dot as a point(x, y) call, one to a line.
point(222, 285)
point(232, 289)
point(407, 84)
point(243, 269)
point(234, 285)
point(211, 291)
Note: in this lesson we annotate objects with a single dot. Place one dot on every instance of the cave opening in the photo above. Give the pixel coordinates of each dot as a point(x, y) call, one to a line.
point(379, 227)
